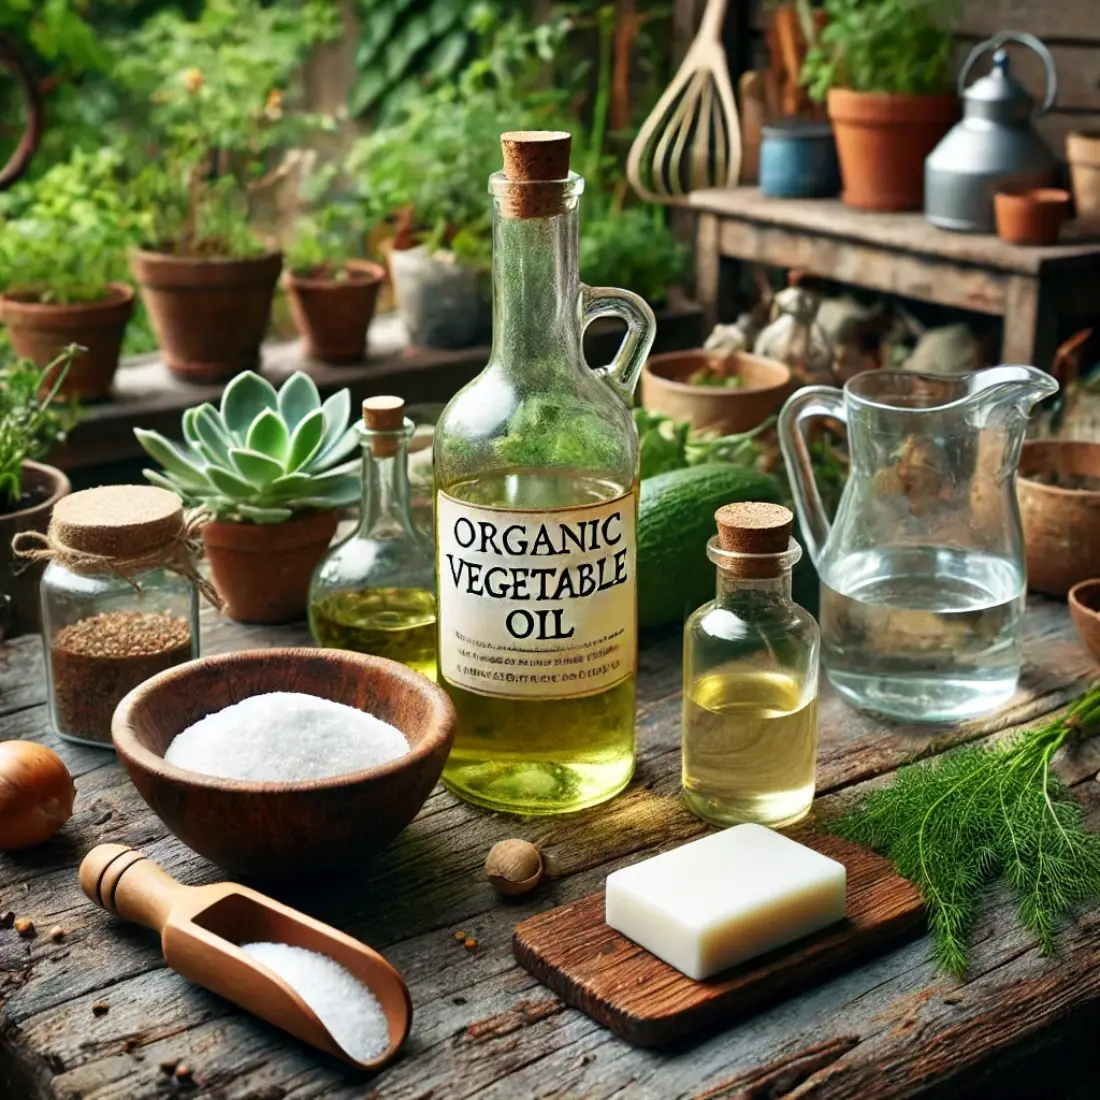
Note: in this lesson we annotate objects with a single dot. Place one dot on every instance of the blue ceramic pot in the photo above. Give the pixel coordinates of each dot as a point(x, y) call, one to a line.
point(798, 161)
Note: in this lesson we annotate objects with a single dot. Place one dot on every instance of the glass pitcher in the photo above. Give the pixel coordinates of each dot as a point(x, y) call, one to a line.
point(922, 571)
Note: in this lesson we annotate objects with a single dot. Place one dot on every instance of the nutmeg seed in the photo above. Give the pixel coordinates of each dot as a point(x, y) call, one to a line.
point(513, 867)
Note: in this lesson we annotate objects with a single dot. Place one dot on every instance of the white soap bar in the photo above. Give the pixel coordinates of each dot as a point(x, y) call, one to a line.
point(725, 898)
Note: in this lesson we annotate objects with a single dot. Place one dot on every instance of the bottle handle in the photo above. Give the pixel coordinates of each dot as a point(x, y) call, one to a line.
point(1023, 38)
point(622, 373)
point(809, 403)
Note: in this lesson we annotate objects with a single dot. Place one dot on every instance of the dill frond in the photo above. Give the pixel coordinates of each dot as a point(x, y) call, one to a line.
point(955, 824)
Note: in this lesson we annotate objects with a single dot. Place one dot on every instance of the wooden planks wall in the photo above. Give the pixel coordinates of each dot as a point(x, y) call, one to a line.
point(1070, 28)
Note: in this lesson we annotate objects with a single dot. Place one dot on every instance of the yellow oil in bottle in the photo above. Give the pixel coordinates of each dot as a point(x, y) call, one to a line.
point(398, 623)
point(749, 747)
point(541, 755)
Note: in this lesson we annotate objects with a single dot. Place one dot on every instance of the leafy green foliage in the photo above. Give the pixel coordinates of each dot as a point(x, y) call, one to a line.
point(957, 823)
point(31, 424)
point(214, 94)
point(324, 241)
point(631, 247)
point(66, 233)
point(265, 454)
point(665, 444)
point(900, 46)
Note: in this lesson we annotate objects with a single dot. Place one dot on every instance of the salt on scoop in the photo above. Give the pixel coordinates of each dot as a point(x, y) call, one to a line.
point(285, 737)
point(348, 1009)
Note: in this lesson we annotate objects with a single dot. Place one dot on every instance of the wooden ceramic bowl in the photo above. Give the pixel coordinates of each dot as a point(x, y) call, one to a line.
point(1084, 607)
point(1061, 523)
point(280, 830)
point(766, 384)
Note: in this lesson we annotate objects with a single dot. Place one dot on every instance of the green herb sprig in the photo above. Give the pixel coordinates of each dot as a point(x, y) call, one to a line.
point(956, 824)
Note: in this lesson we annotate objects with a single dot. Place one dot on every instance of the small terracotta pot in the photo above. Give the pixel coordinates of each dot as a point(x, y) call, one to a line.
point(766, 384)
point(333, 315)
point(20, 609)
point(1083, 154)
point(263, 570)
point(209, 315)
point(1030, 215)
point(1061, 526)
point(882, 140)
point(40, 331)
point(1084, 609)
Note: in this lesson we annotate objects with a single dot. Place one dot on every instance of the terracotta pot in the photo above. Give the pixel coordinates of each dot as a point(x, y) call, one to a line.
point(333, 315)
point(1083, 154)
point(766, 384)
point(882, 140)
point(1084, 608)
point(39, 331)
point(1031, 215)
point(1061, 525)
point(20, 611)
point(209, 315)
point(263, 570)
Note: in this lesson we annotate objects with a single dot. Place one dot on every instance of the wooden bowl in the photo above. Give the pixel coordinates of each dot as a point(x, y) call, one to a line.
point(1084, 607)
point(285, 830)
point(1061, 525)
point(766, 384)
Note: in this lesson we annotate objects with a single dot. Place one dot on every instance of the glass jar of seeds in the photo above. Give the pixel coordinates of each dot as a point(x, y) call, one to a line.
point(119, 600)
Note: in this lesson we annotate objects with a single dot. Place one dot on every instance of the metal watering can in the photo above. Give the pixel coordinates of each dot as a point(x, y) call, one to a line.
point(28, 143)
point(994, 145)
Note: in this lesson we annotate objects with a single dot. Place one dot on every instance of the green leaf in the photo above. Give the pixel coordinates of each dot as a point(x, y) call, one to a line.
point(256, 466)
point(268, 436)
point(442, 15)
point(171, 457)
point(446, 55)
point(298, 397)
point(163, 481)
point(264, 515)
point(366, 92)
point(189, 430)
point(307, 440)
point(213, 437)
point(337, 410)
point(234, 487)
point(244, 399)
point(290, 485)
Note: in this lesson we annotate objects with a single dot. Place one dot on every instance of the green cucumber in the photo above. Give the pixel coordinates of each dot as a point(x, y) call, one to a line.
point(675, 519)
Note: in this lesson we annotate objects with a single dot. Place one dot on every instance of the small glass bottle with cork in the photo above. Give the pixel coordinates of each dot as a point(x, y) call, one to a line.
point(751, 678)
point(375, 591)
point(119, 599)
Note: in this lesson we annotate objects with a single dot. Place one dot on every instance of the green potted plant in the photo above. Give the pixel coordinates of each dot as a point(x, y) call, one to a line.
point(272, 468)
point(63, 270)
point(31, 425)
point(428, 171)
point(884, 69)
point(332, 289)
point(216, 86)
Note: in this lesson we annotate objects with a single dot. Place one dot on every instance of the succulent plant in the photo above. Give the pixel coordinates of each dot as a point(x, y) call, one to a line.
point(265, 455)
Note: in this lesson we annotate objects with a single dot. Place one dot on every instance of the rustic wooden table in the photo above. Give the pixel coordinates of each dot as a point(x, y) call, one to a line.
point(1019, 1026)
point(1041, 293)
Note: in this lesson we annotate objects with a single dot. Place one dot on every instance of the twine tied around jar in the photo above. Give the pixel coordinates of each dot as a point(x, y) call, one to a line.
point(123, 531)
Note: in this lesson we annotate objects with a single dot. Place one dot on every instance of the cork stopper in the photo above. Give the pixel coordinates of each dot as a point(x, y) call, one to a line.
point(384, 414)
point(537, 162)
point(754, 528)
point(117, 520)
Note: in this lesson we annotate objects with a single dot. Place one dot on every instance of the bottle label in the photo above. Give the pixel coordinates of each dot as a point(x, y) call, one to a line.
point(537, 604)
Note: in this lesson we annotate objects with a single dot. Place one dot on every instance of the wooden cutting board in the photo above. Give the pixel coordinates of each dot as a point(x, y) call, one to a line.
point(649, 1003)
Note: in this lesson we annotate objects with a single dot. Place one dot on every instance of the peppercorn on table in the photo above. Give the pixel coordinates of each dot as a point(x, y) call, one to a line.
point(89, 1011)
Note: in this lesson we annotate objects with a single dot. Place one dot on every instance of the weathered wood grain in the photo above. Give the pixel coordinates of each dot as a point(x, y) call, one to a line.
point(649, 1003)
point(482, 1026)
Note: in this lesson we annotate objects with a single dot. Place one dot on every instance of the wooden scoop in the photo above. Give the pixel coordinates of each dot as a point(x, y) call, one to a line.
point(202, 928)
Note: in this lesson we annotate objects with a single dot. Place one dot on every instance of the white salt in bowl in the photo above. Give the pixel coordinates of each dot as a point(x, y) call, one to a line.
point(270, 830)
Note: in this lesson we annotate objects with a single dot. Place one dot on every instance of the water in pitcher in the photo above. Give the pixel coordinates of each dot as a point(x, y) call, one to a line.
point(923, 633)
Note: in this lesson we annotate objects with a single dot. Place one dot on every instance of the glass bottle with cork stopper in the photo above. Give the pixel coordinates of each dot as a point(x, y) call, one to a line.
point(375, 591)
point(536, 469)
point(119, 599)
point(750, 678)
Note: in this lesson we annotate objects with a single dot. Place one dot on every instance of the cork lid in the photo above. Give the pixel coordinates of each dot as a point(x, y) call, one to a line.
point(537, 163)
point(117, 520)
point(384, 414)
point(754, 528)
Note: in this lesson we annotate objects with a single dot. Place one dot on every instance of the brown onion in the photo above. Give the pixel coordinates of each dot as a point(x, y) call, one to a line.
point(36, 794)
